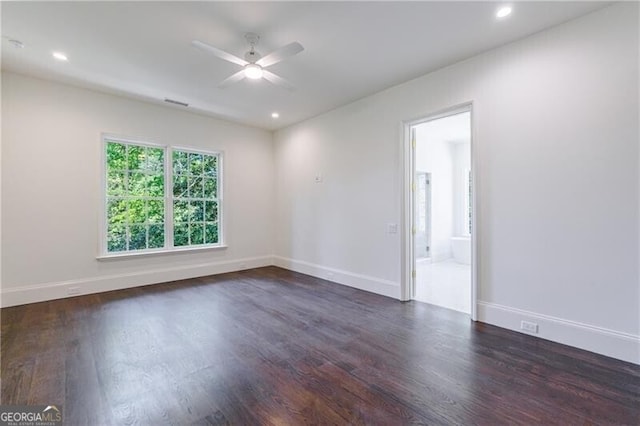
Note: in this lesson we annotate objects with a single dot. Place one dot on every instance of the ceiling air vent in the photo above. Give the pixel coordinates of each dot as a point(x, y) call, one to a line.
point(171, 101)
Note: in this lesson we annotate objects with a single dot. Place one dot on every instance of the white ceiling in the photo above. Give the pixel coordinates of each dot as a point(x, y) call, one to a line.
point(352, 49)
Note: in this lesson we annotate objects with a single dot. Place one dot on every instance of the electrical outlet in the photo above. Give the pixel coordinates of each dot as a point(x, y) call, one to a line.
point(530, 327)
point(73, 291)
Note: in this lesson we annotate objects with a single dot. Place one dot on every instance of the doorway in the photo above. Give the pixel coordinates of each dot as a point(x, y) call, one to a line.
point(441, 205)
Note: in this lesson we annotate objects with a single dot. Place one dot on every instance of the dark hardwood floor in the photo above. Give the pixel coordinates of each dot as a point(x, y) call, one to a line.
point(268, 346)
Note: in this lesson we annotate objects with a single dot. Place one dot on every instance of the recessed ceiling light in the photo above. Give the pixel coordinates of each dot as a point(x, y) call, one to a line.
point(60, 56)
point(275, 115)
point(503, 12)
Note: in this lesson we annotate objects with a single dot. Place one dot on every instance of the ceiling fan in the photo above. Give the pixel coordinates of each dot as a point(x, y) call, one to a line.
point(253, 63)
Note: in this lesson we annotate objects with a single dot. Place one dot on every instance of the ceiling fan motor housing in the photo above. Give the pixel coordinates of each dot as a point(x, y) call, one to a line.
point(252, 56)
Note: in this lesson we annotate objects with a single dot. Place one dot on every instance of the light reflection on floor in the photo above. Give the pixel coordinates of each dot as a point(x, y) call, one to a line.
point(445, 284)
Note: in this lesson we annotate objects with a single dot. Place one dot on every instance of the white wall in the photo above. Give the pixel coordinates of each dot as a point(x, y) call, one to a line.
point(51, 200)
point(556, 145)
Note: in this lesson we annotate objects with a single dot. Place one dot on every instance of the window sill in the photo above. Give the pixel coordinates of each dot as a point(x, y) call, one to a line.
point(129, 255)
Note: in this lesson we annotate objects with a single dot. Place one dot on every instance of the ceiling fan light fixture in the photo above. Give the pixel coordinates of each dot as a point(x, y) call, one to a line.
point(253, 71)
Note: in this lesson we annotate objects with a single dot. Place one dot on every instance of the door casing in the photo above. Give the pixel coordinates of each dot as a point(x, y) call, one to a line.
point(407, 287)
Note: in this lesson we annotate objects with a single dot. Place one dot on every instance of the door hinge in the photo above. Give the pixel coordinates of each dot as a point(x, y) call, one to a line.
point(413, 186)
point(413, 143)
point(413, 230)
point(413, 273)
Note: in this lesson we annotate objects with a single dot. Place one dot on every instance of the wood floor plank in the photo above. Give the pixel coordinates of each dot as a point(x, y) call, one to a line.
point(273, 347)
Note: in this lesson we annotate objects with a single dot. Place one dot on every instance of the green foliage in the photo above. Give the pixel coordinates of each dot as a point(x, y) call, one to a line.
point(135, 197)
point(116, 156)
point(137, 184)
point(155, 185)
point(180, 186)
point(156, 236)
point(180, 162)
point(211, 233)
point(155, 211)
point(116, 183)
point(137, 237)
point(196, 232)
point(211, 211)
point(181, 211)
point(135, 176)
point(197, 211)
point(210, 164)
point(210, 188)
point(116, 238)
point(195, 164)
point(155, 160)
point(195, 187)
point(135, 157)
point(181, 234)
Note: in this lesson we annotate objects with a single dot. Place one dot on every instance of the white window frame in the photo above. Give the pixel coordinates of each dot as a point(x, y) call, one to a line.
point(219, 198)
point(168, 200)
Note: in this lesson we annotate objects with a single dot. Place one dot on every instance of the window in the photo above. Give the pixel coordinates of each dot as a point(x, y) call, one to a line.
point(195, 198)
point(152, 204)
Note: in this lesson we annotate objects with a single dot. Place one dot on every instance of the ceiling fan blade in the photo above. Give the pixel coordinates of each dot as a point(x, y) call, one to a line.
point(277, 80)
point(219, 53)
point(232, 79)
point(278, 55)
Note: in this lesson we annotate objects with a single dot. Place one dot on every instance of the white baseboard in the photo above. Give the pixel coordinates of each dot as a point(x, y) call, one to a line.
point(612, 343)
point(361, 282)
point(59, 290)
point(616, 344)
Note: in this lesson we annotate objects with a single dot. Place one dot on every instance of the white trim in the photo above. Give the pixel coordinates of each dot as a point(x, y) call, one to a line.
point(350, 279)
point(406, 169)
point(474, 144)
point(193, 150)
point(604, 341)
point(58, 290)
point(127, 140)
point(153, 252)
point(467, 192)
point(222, 235)
point(406, 255)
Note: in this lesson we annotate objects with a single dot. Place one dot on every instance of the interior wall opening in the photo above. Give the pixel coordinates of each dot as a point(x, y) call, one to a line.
point(442, 203)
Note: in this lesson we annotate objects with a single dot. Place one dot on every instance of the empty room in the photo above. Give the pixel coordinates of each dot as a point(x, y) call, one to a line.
point(286, 213)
